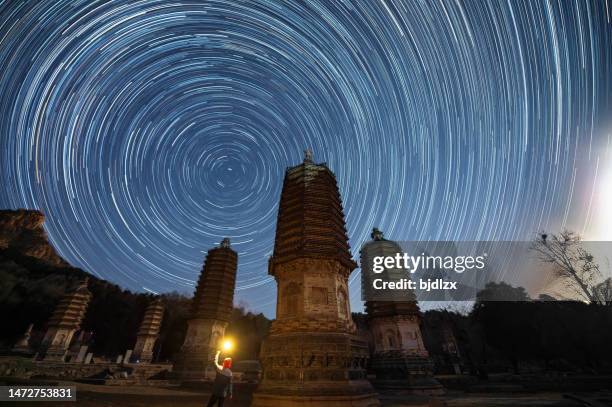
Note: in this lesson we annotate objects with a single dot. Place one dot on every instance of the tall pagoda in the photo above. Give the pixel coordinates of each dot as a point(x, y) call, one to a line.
point(312, 355)
point(148, 332)
point(399, 359)
point(65, 321)
point(210, 313)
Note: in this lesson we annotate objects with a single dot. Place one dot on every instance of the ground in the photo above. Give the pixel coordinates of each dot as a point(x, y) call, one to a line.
point(146, 396)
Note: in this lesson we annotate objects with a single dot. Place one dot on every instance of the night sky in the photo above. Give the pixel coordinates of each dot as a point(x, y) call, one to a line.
point(147, 131)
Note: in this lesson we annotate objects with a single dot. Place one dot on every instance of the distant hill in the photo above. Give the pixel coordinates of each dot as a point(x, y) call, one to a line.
point(33, 277)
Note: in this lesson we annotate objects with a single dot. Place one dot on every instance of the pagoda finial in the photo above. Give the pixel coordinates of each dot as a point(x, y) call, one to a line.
point(308, 158)
point(225, 243)
point(377, 235)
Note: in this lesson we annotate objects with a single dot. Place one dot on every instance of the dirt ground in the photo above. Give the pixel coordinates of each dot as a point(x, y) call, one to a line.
point(89, 395)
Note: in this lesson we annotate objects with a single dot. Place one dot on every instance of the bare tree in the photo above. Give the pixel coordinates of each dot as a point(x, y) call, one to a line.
point(603, 292)
point(572, 263)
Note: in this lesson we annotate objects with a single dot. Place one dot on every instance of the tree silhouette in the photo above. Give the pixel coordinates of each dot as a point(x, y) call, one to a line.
point(573, 264)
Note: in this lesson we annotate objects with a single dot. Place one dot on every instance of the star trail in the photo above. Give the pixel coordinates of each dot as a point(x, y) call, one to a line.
point(147, 131)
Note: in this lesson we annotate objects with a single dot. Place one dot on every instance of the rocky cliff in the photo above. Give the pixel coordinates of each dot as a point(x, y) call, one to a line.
point(22, 231)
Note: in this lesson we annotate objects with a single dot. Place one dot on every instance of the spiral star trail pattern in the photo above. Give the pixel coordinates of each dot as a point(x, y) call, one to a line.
point(149, 130)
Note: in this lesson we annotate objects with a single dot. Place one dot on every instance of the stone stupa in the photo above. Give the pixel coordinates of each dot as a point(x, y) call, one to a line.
point(399, 360)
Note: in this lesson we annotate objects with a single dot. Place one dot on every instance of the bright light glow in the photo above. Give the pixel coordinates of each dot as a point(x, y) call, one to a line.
point(228, 345)
point(604, 206)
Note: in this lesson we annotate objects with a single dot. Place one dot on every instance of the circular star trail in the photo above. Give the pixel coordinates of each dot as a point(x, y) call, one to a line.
point(149, 130)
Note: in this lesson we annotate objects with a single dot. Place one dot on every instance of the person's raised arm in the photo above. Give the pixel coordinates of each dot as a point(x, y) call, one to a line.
point(217, 365)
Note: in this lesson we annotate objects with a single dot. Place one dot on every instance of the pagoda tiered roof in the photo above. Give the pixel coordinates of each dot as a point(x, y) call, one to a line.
point(71, 309)
point(310, 220)
point(214, 296)
point(152, 319)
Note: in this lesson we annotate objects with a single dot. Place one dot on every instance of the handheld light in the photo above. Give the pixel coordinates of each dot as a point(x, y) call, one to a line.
point(228, 345)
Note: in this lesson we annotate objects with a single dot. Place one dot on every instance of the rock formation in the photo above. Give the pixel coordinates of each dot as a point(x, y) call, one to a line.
point(22, 231)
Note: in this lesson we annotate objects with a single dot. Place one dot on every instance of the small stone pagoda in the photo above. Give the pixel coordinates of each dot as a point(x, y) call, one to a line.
point(210, 313)
point(64, 322)
point(148, 332)
point(312, 355)
point(399, 359)
point(23, 344)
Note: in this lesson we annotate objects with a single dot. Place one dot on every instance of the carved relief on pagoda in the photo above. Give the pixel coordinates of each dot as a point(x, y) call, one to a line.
point(216, 336)
point(57, 337)
point(292, 301)
point(399, 333)
point(320, 359)
point(309, 265)
point(343, 310)
point(203, 334)
point(311, 296)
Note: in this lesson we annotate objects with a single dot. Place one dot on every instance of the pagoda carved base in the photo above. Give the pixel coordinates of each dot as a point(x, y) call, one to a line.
point(144, 357)
point(407, 373)
point(143, 350)
point(191, 367)
point(22, 350)
point(55, 354)
point(198, 352)
point(314, 369)
point(55, 344)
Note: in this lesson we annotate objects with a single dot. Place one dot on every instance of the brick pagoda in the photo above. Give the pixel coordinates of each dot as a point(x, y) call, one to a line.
point(64, 322)
point(148, 332)
point(312, 355)
point(399, 359)
point(210, 313)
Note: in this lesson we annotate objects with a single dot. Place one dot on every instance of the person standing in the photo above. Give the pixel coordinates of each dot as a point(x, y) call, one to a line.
point(222, 386)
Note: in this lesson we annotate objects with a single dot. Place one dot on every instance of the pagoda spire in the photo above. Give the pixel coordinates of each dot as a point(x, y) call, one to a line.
point(308, 156)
